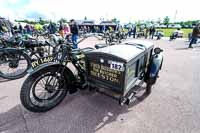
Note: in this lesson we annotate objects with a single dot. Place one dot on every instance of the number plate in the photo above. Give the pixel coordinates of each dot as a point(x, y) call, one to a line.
point(117, 66)
point(38, 62)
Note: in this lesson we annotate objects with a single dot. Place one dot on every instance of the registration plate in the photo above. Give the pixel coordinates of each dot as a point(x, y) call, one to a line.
point(41, 61)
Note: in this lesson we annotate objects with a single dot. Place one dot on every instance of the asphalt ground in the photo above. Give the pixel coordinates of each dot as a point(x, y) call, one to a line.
point(172, 107)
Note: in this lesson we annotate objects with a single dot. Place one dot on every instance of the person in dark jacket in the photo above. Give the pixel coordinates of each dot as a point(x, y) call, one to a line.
point(28, 29)
point(20, 29)
point(152, 32)
point(134, 31)
point(195, 35)
point(1, 29)
point(52, 28)
point(74, 32)
point(61, 29)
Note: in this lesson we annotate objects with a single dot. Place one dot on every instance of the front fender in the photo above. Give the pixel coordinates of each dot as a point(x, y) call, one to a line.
point(31, 70)
point(156, 65)
point(67, 72)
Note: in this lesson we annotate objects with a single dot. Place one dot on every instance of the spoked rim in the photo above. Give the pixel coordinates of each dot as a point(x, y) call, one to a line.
point(46, 89)
point(13, 65)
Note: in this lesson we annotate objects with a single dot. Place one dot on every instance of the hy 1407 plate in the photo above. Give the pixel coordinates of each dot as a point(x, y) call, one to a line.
point(41, 61)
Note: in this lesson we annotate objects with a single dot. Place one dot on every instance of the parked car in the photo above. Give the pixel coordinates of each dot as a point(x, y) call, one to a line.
point(174, 26)
point(162, 26)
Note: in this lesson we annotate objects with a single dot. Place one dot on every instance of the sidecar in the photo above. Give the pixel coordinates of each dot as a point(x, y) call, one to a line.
point(116, 70)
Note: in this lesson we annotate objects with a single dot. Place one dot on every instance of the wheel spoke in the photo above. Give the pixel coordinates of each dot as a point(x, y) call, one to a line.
point(54, 81)
point(41, 84)
point(43, 81)
point(47, 81)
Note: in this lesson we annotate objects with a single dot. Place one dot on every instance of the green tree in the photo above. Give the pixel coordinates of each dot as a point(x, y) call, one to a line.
point(158, 21)
point(114, 20)
point(166, 21)
point(138, 23)
point(41, 21)
point(63, 20)
point(85, 18)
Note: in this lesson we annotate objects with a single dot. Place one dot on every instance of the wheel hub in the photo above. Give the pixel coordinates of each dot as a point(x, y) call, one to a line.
point(49, 88)
point(13, 64)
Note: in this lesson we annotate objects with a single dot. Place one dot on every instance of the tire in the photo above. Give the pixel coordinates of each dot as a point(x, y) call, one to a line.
point(9, 56)
point(148, 88)
point(125, 36)
point(161, 65)
point(29, 87)
point(150, 82)
point(106, 40)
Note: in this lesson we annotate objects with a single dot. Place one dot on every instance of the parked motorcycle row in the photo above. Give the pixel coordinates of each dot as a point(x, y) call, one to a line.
point(17, 52)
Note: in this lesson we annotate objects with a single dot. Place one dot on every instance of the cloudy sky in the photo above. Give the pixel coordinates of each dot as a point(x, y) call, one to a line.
point(125, 10)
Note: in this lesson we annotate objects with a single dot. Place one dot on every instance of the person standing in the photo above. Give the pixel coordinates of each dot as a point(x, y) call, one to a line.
point(4, 29)
point(74, 32)
point(1, 28)
point(20, 29)
point(146, 32)
point(153, 30)
point(67, 31)
point(195, 35)
point(15, 30)
point(129, 31)
point(28, 29)
point(134, 31)
point(150, 32)
point(52, 28)
point(61, 29)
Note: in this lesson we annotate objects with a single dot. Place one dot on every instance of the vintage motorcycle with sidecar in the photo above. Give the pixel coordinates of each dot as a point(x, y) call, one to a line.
point(113, 70)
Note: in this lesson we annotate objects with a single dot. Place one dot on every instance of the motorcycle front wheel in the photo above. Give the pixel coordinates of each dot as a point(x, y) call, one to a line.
point(43, 90)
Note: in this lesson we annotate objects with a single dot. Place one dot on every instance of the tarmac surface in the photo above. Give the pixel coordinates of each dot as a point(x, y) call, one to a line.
point(172, 107)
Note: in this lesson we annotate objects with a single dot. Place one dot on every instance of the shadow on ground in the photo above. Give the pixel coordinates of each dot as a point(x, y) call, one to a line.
point(3, 80)
point(183, 48)
point(84, 112)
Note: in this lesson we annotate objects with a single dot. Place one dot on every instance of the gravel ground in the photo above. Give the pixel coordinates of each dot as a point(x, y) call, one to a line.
point(173, 106)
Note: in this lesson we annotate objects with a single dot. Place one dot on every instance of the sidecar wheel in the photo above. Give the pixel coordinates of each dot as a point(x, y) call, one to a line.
point(148, 88)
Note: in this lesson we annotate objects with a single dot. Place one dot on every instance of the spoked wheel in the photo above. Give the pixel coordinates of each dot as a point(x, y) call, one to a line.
point(44, 90)
point(14, 65)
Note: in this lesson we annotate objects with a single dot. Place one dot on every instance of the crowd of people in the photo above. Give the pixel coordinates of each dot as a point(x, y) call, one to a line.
point(64, 29)
point(147, 32)
point(72, 30)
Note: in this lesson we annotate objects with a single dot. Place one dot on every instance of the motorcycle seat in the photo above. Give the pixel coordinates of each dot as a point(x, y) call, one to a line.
point(102, 45)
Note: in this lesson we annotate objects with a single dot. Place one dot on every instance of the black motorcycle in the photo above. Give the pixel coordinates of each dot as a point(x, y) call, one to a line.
point(14, 63)
point(16, 56)
point(49, 82)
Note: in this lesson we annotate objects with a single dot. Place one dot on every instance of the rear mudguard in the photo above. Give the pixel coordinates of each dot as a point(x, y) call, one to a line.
point(68, 74)
point(155, 65)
